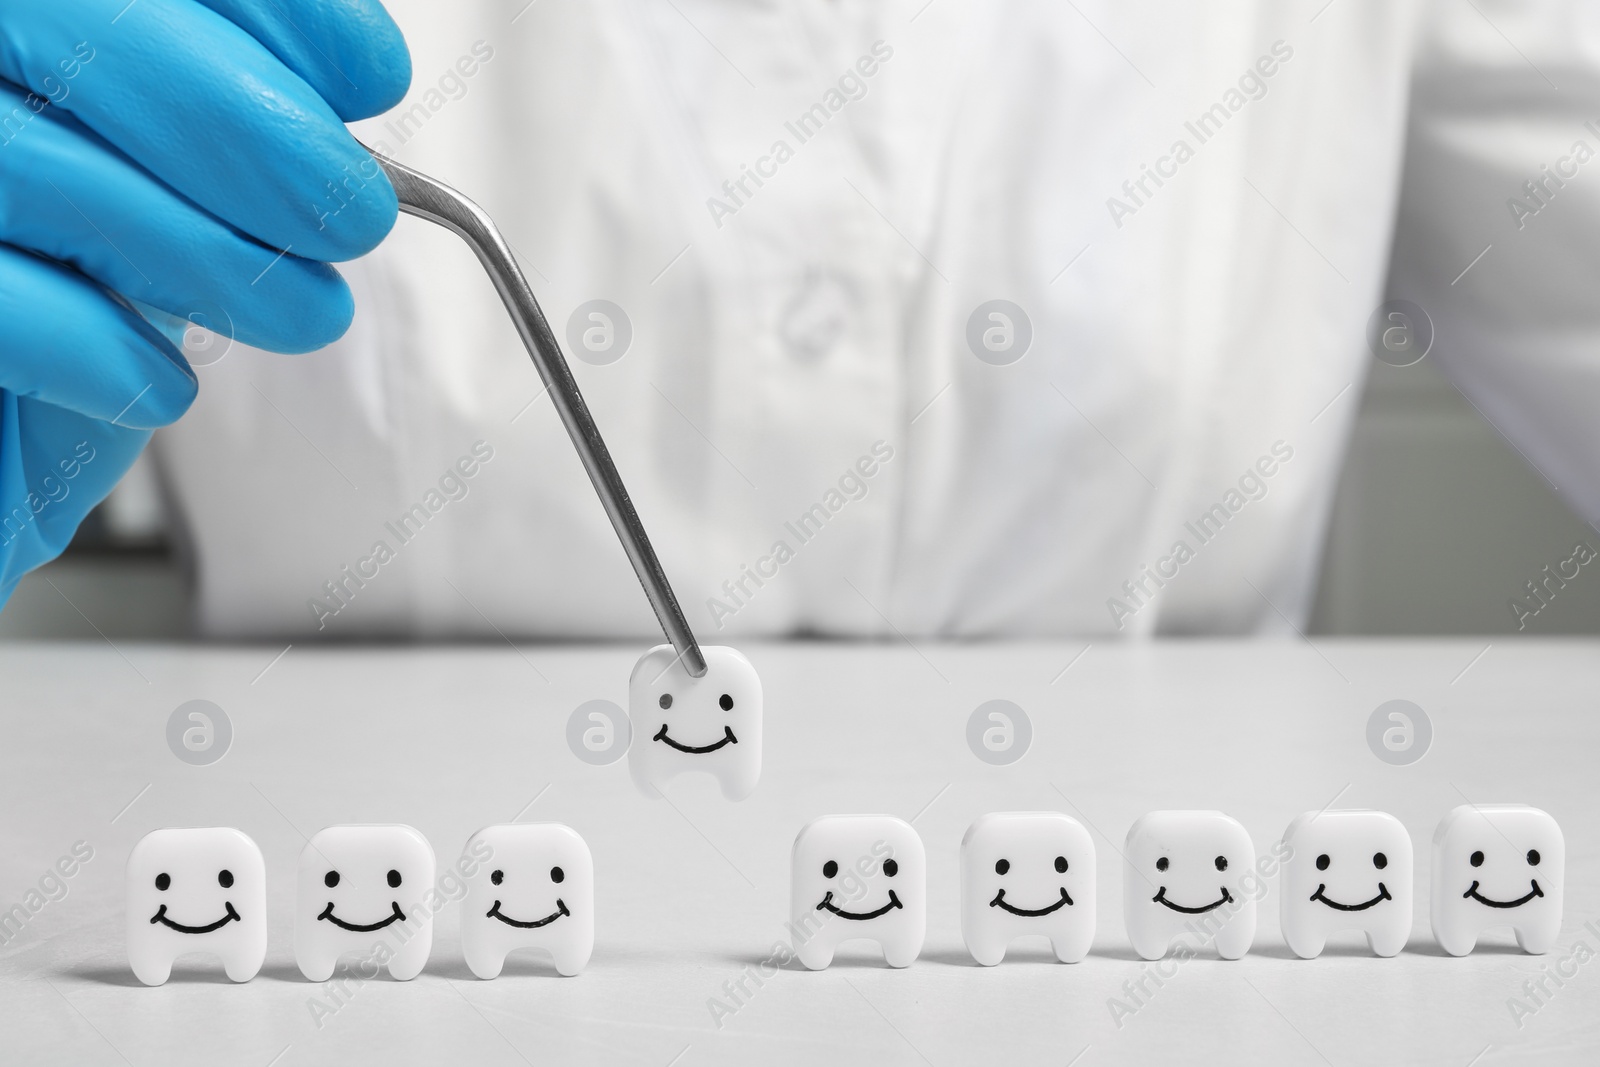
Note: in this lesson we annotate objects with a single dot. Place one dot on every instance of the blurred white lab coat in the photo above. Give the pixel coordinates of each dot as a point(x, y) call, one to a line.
point(1162, 459)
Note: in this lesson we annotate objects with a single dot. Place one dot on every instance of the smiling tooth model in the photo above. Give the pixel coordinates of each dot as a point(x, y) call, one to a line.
point(361, 889)
point(1184, 873)
point(682, 723)
point(201, 889)
point(1027, 873)
point(858, 876)
point(1497, 865)
point(535, 890)
point(1346, 870)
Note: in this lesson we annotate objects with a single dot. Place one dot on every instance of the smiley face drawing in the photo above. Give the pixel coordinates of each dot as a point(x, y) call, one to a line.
point(1497, 865)
point(535, 890)
point(854, 877)
point(1027, 873)
point(1183, 873)
point(1346, 870)
point(681, 723)
point(190, 890)
point(359, 888)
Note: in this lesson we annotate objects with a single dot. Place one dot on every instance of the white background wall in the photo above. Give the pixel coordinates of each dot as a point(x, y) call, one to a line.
point(1438, 524)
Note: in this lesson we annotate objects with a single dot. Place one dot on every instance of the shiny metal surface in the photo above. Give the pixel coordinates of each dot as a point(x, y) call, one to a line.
point(429, 199)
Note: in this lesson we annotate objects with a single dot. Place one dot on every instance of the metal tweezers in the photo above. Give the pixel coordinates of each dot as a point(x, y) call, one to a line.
point(429, 199)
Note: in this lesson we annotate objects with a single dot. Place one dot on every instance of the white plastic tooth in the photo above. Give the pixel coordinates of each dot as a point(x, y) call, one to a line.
point(681, 724)
point(858, 877)
point(1346, 870)
point(543, 898)
point(1048, 862)
point(201, 889)
point(363, 891)
point(1497, 865)
point(1190, 874)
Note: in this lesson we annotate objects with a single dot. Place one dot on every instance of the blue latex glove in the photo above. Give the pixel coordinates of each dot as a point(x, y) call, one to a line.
point(166, 151)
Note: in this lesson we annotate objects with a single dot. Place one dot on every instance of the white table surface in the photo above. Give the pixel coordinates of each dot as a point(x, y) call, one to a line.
point(692, 890)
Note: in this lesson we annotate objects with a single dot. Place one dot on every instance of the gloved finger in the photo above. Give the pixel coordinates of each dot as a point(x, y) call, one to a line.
point(55, 466)
point(74, 198)
point(206, 108)
point(66, 341)
point(349, 51)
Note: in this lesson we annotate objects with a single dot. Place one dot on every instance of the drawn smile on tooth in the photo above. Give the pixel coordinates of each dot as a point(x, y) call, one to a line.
point(363, 928)
point(1161, 898)
point(827, 902)
point(999, 901)
point(1481, 899)
point(561, 909)
point(161, 917)
point(727, 739)
point(1383, 894)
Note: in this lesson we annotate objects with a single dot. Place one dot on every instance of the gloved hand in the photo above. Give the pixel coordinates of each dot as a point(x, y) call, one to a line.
point(187, 155)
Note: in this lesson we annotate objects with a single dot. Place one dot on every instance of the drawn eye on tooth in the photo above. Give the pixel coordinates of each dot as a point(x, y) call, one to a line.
point(725, 702)
point(665, 701)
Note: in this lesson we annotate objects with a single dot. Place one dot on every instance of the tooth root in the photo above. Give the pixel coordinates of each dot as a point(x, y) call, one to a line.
point(483, 963)
point(695, 717)
point(413, 956)
point(1536, 939)
point(192, 860)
